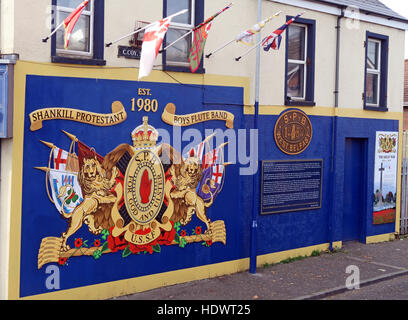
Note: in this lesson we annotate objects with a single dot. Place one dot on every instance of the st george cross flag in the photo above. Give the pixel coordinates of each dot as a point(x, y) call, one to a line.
point(60, 159)
point(274, 40)
point(71, 20)
point(66, 191)
point(247, 36)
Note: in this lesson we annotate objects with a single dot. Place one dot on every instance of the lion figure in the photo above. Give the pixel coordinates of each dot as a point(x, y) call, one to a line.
point(95, 210)
point(185, 197)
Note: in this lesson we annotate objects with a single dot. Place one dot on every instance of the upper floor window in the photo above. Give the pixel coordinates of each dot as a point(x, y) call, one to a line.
point(86, 42)
point(175, 58)
point(81, 37)
point(375, 92)
point(300, 43)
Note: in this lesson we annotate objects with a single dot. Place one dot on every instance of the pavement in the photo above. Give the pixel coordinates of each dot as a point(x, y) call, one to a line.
point(312, 278)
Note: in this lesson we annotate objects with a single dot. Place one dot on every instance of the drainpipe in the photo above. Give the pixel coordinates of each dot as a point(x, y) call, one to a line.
point(254, 225)
point(334, 130)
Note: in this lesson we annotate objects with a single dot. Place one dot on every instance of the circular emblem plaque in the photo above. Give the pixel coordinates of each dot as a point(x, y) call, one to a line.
point(144, 187)
point(293, 132)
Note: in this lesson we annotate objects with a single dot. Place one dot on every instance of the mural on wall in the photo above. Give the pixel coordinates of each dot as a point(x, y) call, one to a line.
point(385, 177)
point(135, 199)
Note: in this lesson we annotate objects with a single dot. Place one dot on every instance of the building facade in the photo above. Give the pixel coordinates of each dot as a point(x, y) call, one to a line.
point(102, 190)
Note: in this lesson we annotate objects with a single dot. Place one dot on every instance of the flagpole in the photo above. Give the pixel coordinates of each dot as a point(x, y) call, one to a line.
point(248, 51)
point(192, 30)
point(255, 178)
point(55, 30)
point(229, 42)
point(145, 27)
point(175, 41)
point(220, 48)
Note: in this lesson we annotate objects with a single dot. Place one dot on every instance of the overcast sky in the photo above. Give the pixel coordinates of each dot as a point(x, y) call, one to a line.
point(401, 7)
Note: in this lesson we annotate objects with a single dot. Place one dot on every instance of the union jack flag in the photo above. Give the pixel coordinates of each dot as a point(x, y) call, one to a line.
point(274, 40)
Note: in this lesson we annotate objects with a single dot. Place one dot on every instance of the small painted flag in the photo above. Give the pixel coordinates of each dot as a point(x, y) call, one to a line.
point(71, 20)
point(60, 159)
point(65, 189)
point(211, 182)
point(213, 157)
point(274, 40)
point(197, 151)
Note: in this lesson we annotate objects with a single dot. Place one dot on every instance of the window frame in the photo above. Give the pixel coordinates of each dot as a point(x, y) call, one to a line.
point(309, 74)
point(197, 15)
point(383, 40)
point(95, 56)
point(301, 62)
point(89, 13)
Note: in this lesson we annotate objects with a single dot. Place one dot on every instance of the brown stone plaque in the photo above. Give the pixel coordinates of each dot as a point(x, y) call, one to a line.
point(293, 132)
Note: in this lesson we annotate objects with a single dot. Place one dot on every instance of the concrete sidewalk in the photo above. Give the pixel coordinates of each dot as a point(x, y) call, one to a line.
point(310, 278)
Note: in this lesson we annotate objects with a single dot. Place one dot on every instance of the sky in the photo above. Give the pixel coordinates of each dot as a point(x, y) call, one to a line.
point(401, 7)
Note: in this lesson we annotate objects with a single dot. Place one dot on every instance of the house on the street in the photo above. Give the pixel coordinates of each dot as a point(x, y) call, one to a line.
point(111, 184)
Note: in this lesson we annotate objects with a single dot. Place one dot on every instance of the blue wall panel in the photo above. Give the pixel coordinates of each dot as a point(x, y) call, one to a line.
point(276, 232)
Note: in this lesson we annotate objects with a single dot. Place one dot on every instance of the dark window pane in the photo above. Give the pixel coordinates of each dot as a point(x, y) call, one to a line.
point(174, 6)
point(295, 80)
point(296, 42)
point(72, 4)
point(372, 85)
point(79, 40)
point(373, 49)
point(179, 51)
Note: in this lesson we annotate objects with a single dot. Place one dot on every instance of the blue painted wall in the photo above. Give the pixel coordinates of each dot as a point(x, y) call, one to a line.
point(276, 232)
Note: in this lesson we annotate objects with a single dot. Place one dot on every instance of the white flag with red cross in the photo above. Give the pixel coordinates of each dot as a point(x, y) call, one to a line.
point(217, 173)
point(60, 159)
point(152, 42)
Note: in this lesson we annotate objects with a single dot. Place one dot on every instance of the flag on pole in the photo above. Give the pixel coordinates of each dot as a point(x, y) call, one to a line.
point(71, 20)
point(60, 159)
point(274, 40)
point(152, 42)
point(197, 48)
point(211, 182)
point(247, 36)
point(199, 40)
point(65, 189)
point(197, 151)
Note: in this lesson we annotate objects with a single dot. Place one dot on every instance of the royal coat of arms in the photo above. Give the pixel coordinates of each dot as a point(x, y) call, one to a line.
point(134, 199)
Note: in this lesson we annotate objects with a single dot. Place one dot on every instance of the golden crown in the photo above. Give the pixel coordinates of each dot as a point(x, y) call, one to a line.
point(144, 135)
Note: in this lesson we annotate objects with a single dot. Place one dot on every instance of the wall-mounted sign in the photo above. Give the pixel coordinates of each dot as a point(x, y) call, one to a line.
point(129, 52)
point(293, 132)
point(6, 119)
point(385, 177)
point(291, 186)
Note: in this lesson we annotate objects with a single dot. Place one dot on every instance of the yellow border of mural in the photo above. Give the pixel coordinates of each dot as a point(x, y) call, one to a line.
point(128, 286)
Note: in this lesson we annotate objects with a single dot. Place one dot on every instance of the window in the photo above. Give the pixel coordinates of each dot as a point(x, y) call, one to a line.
point(175, 58)
point(375, 89)
point(300, 45)
point(86, 42)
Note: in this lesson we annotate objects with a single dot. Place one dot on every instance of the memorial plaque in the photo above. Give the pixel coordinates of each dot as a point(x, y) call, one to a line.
point(293, 132)
point(291, 186)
